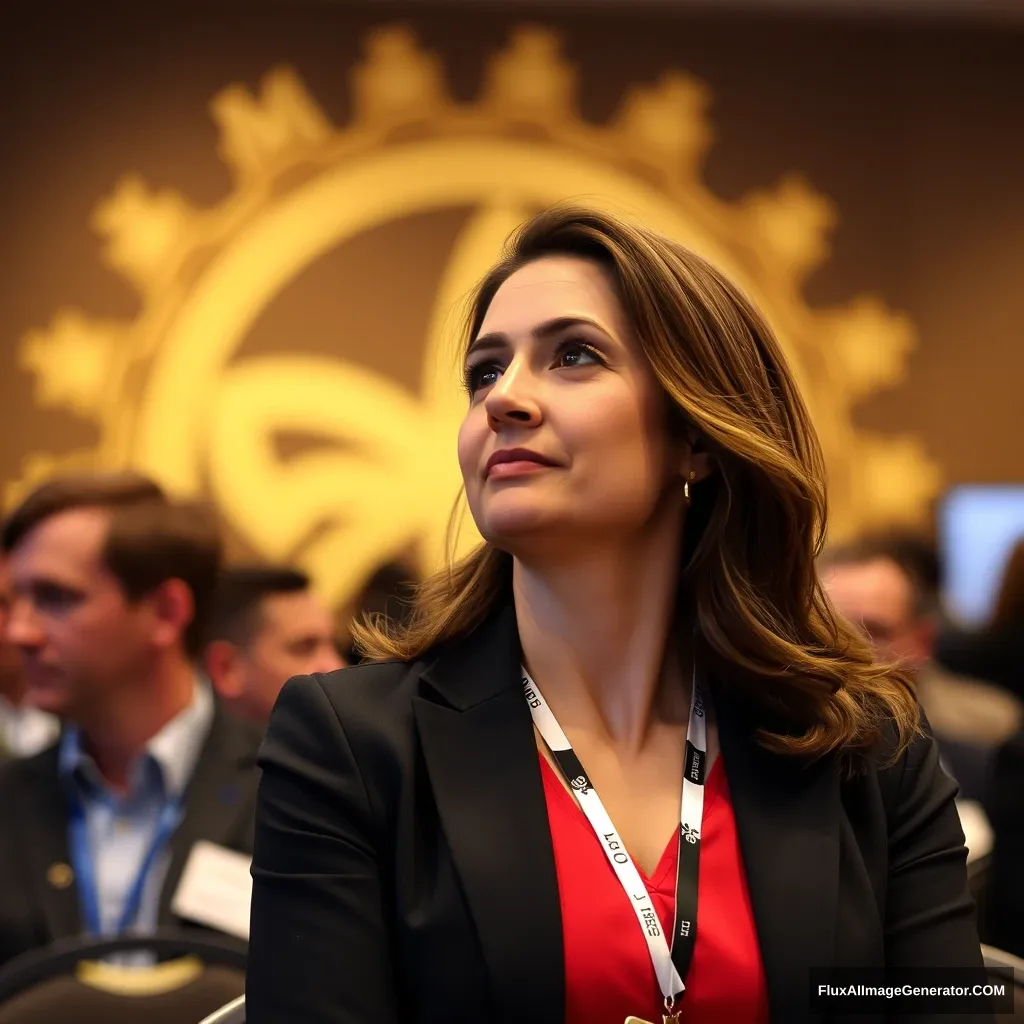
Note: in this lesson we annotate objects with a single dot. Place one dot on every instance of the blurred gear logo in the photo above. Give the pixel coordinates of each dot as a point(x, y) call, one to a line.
point(173, 395)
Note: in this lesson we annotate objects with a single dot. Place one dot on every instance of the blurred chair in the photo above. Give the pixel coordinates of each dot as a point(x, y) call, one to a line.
point(230, 1013)
point(979, 879)
point(73, 982)
point(978, 835)
point(1002, 966)
point(978, 838)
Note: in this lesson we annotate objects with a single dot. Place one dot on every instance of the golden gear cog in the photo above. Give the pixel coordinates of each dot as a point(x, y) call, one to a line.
point(170, 400)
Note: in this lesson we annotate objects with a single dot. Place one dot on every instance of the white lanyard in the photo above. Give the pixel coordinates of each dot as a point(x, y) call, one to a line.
point(670, 962)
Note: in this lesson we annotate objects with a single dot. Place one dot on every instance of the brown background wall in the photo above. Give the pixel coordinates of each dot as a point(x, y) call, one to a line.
point(915, 130)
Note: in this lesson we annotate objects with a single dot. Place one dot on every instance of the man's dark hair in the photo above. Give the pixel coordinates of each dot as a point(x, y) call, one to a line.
point(914, 555)
point(151, 538)
point(387, 594)
point(240, 592)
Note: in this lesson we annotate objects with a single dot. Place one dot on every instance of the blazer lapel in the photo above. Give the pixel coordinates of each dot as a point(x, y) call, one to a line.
point(482, 759)
point(219, 793)
point(43, 826)
point(787, 818)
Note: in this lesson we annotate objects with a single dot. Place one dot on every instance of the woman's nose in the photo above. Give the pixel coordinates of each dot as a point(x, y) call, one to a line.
point(513, 399)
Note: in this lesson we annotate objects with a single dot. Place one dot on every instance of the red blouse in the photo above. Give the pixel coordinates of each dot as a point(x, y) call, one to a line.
point(608, 970)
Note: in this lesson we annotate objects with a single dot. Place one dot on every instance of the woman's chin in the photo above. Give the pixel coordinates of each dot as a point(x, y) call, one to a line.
point(518, 522)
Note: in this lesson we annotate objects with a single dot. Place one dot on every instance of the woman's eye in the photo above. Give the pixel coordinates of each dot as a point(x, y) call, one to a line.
point(569, 354)
point(577, 353)
point(483, 375)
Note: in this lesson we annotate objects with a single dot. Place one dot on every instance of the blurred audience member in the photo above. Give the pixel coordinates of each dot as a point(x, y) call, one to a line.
point(884, 586)
point(995, 654)
point(998, 654)
point(267, 626)
point(388, 594)
point(24, 730)
point(111, 581)
point(889, 587)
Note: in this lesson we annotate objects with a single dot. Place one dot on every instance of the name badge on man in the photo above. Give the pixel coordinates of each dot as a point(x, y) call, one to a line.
point(215, 889)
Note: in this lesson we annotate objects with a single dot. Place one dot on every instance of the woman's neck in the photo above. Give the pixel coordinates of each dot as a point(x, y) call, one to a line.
point(594, 632)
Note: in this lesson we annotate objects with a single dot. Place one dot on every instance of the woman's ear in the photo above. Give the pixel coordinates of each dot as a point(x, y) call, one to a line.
point(700, 467)
point(697, 463)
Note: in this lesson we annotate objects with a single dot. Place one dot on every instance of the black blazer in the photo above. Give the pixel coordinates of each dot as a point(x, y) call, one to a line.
point(403, 866)
point(220, 807)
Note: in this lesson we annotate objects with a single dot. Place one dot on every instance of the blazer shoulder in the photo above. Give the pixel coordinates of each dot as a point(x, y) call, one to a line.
point(887, 755)
point(348, 736)
point(899, 770)
point(372, 681)
point(370, 703)
point(372, 688)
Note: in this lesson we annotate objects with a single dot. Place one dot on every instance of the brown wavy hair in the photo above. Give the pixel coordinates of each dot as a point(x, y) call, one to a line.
point(748, 582)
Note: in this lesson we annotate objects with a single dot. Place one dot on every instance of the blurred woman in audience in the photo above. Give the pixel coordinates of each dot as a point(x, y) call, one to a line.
point(624, 761)
point(996, 654)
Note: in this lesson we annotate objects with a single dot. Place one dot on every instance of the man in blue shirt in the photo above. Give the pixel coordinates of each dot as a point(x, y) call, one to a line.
point(111, 582)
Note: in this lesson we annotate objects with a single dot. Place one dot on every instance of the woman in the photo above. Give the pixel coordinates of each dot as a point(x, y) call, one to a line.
point(995, 653)
point(638, 659)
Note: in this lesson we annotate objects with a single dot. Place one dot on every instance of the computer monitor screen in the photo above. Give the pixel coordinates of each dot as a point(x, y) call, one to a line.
point(978, 527)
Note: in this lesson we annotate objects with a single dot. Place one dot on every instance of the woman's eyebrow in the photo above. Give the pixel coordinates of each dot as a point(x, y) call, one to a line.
point(498, 340)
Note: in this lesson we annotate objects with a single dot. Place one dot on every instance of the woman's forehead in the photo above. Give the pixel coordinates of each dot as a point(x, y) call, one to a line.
point(552, 287)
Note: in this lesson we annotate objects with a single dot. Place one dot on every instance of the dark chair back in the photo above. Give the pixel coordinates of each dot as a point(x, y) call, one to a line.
point(73, 982)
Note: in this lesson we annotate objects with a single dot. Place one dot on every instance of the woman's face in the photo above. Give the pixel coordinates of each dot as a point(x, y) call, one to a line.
point(565, 438)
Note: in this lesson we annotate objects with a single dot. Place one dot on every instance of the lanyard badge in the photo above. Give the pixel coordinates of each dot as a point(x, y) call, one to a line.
point(670, 956)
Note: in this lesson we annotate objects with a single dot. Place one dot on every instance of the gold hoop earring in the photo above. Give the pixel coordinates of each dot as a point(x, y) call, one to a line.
point(686, 487)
